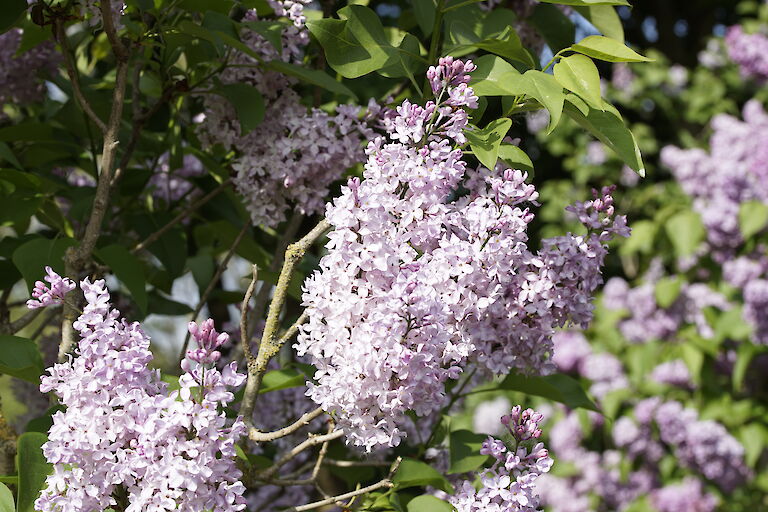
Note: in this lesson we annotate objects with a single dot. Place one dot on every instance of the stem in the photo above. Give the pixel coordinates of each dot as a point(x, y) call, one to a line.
point(259, 437)
point(270, 344)
point(244, 338)
point(309, 443)
point(435, 41)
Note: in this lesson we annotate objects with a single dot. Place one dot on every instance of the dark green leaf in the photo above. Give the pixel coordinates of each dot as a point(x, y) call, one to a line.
point(428, 503)
point(557, 387)
point(160, 305)
point(515, 157)
point(753, 218)
point(33, 468)
point(10, 13)
point(32, 257)
point(271, 31)
point(506, 44)
point(128, 269)
point(312, 76)
point(465, 451)
point(587, 2)
point(414, 473)
point(547, 91)
point(32, 36)
point(607, 49)
point(7, 155)
point(247, 102)
point(556, 28)
point(485, 143)
point(20, 358)
point(425, 15)
point(686, 232)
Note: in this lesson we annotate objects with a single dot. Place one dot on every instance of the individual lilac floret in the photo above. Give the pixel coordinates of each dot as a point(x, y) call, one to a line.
point(523, 424)
point(510, 484)
point(208, 340)
point(44, 296)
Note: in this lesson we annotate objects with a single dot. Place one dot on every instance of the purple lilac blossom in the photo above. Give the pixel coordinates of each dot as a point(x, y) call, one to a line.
point(123, 434)
point(674, 373)
point(19, 82)
point(289, 161)
point(171, 185)
point(686, 496)
point(749, 52)
point(43, 296)
point(510, 484)
point(418, 281)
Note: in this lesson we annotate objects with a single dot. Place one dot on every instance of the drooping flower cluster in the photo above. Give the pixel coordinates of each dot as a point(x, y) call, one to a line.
point(734, 171)
point(20, 81)
point(749, 51)
point(43, 296)
point(123, 438)
point(509, 485)
point(646, 320)
point(429, 265)
point(289, 160)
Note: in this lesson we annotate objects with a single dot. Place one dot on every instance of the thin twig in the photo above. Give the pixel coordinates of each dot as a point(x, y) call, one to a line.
point(323, 452)
point(190, 209)
point(69, 65)
point(309, 443)
point(212, 283)
point(245, 340)
point(21, 322)
point(387, 482)
point(118, 48)
point(261, 437)
point(355, 463)
point(293, 329)
point(270, 344)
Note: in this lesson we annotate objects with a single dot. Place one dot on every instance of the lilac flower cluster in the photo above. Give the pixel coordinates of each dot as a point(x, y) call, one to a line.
point(704, 446)
point(419, 277)
point(510, 485)
point(290, 160)
point(734, 171)
point(43, 296)
point(749, 52)
point(648, 321)
point(19, 82)
point(171, 185)
point(572, 353)
point(123, 438)
point(688, 496)
point(673, 373)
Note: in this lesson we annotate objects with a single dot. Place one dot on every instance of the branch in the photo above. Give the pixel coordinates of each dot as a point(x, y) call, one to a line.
point(387, 482)
point(119, 49)
point(293, 329)
point(245, 340)
point(21, 322)
point(212, 283)
point(260, 437)
point(72, 74)
point(270, 344)
point(314, 440)
point(354, 463)
point(190, 209)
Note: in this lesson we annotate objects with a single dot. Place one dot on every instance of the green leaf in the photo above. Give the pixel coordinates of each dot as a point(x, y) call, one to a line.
point(247, 102)
point(556, 28)
point(32, 36)
point(547, 91)
point(607, 49)
point(604, 18)
point(159, 305)
point(425, 15)
point(281, 379)
point(32, 257)
point(485, 143)
point(312, 76)
point(20, 358)
point(33, 468)
point(496, 77)
point(745, 353)
point(515, 157)
point(10, 13)
point(667, 290)
point(506, 44)
point(272, 31)
point(465, 451)
point(579, 75)
point(686, 232)
point(356, 44)
point(754, 437)
point(428, 503)
point(608, 127)
point(6, 499)
point(557, 387)
point(414, 473)
point(404, 62)
point(7, 155)
point(753, 218)
point(128, 269)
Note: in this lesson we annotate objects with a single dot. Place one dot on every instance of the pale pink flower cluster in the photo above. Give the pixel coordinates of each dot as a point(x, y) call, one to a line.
point(510, 484)
point(429, 265)
point(123, 439)
point(288, 162)
point(43, 296)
